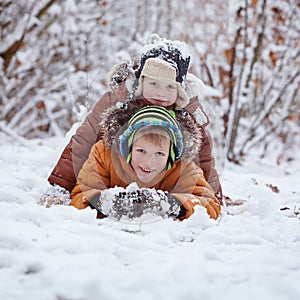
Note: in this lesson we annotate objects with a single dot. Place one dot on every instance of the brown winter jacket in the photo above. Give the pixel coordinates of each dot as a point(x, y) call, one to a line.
point(77, 151)
point(106, 168)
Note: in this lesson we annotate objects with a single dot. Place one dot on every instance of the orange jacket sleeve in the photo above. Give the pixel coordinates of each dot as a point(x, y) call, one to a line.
point(93, 178)
point(201, 194)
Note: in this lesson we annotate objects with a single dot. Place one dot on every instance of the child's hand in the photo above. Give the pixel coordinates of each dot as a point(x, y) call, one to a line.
point(177, 209)
point(55, 195)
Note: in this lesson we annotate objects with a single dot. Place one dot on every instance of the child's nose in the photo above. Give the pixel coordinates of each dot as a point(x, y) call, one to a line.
point(161, 93)
point(148, 161)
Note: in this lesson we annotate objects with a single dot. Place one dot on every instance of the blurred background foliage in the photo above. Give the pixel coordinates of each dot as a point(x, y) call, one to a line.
point(54, 56)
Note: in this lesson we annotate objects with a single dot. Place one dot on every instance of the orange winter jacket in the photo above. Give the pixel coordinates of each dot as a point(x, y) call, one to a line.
point(105, 169)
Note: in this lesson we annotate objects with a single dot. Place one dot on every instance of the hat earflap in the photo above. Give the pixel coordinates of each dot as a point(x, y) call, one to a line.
point(172, 156)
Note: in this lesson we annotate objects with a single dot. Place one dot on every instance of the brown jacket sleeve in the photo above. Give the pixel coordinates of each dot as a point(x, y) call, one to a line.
point(77, 151)
point(206, 161)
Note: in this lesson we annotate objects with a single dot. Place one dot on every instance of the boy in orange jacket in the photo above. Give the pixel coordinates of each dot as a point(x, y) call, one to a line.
point(153, 149)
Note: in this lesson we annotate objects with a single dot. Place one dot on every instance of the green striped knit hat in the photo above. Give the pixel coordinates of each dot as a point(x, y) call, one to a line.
point(153, 116)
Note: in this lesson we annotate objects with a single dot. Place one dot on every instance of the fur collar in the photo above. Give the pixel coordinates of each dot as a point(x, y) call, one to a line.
point(115, 118)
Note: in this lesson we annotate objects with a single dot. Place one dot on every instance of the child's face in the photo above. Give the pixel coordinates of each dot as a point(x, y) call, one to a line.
point(149, 159)
point(159, 92)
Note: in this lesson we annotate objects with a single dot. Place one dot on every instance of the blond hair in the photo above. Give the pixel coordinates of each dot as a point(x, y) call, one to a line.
point(154, 135)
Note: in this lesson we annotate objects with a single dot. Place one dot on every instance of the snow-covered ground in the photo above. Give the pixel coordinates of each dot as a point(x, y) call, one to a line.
point(251, 252)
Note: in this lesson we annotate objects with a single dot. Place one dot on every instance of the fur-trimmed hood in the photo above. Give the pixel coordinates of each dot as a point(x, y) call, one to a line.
point(115, 118)
point(125, 72)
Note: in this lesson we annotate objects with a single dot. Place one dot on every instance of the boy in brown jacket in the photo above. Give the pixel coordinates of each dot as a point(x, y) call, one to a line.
point(155, 149)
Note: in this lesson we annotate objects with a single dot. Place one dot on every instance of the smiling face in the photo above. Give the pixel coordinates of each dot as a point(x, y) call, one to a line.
point(160, 92)
point(150, 153)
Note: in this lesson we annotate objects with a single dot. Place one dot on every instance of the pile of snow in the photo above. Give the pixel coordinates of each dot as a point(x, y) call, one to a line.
point(251, 252)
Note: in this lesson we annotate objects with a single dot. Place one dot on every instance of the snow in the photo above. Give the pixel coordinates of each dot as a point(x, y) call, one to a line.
point(157, 42)
point(251, 252)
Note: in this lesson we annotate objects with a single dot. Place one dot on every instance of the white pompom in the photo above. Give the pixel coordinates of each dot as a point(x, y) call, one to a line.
point(154, 38)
